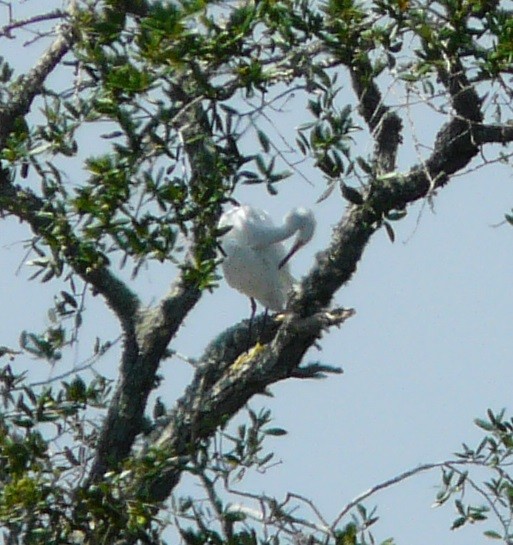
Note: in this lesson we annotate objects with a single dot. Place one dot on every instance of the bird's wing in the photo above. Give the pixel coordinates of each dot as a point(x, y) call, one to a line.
point(252, 223)
point(251, 265)
point(255, 273)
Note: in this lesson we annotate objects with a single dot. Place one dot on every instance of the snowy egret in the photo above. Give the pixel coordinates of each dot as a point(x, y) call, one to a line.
point(255, 261)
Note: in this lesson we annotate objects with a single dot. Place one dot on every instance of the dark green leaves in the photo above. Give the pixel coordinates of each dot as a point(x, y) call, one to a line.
point(328, 138)
point(351, 194)
point(127, 79)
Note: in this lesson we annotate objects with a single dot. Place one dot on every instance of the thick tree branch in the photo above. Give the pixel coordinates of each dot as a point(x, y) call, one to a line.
point(498, 134)
point(142, 355)
point(464, 98)
point(212, 397)
point(221, 387)
point(385, 125)
point(146, 346)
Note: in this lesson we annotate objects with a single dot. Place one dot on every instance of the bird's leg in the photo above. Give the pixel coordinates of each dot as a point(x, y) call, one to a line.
point(251, 318)
point(264, 323)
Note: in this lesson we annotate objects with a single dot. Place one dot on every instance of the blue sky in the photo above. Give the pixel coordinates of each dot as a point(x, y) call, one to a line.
point(428, 350)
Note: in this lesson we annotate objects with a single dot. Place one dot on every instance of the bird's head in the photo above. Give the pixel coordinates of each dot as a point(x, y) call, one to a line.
point(302, 221)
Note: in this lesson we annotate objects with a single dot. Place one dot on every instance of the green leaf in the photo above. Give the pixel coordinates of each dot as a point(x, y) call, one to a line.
point(396, 215)
point(390, 231)
point(264, 140)
point(459, 506)
point(72, 302)
point(364, 165)
point(458, 523)
point(492, 535)
point(351, 194)
point(275, 431)
point(408, 77)
point(234, 516)
point(483, 424)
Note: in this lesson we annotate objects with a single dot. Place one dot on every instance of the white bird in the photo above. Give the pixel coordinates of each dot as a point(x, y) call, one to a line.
point(256, 262)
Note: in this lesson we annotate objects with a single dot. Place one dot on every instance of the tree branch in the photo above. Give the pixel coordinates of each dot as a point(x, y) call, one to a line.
point(385, 125)
point(143, 353)
point(31, 85)
point(6, 30)
point(39, 214)
point(221, 387)
point(393, 481)
point(209, 399)
point(147, 344)
point(498, 134)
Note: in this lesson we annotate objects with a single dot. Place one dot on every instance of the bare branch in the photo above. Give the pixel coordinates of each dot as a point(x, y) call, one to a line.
point(393, 481)
point(7, 29)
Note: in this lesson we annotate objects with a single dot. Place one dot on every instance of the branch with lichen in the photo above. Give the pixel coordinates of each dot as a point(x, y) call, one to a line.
point(30, 85)
point(216, 395)
point(155, 327)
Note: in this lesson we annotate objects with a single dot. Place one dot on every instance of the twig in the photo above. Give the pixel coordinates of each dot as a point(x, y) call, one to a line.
point(394, 480)
point(6, 29)
point(486, 496)
point(90, 362)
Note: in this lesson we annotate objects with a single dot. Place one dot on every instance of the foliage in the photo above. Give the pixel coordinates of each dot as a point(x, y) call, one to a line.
point(186, 99)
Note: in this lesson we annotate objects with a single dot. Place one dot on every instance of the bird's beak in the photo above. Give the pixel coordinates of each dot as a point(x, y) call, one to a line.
point(292, 251)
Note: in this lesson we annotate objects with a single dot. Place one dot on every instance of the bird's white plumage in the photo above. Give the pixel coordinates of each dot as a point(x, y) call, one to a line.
point(255, 260)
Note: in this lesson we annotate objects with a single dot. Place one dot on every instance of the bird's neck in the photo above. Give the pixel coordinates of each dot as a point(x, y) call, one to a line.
point(274, 235)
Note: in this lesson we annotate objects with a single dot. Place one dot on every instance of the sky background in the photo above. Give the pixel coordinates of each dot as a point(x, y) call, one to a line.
point(428, 350)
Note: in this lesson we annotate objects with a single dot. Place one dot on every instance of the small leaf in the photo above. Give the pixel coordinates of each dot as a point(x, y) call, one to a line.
point(408, 77)
point(483, 424)
point(315, 108)
point(275, 431)
point(185, 504)
point(266, 459)
point(71, 457)
point(72, 302)
point(48, 275)
point(458, 523)
point(31, 395)
point(390, 231)
point(492, 535)
point(459, 506)
point(23, 422)
point(351, 194)
point(271, 190)
point(234, 516)
point(462, 479)
point(264, 140)
point(362, 163)
point(327, 192)
point(395, 215)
